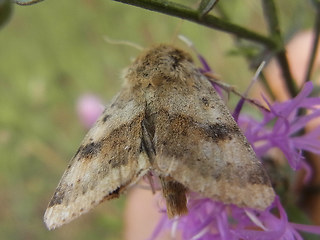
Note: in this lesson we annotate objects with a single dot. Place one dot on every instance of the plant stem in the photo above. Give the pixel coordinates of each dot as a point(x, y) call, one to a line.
point(271, 16)
point(181, 11)
point(270, 13)
point(315, 44)
point(286, 73)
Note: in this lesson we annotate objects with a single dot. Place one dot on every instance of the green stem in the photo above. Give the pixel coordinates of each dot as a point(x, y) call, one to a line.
point(286, 73)
point(271, 16)
point(178, 10)
point(270, 13)
point(315, 44)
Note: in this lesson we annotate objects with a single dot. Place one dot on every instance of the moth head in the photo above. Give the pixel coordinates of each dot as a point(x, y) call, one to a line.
point(159, 65)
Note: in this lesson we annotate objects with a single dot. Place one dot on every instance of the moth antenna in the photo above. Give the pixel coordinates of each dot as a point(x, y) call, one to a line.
point(123, 42)
point(255, 77)
point(228, 88)
point(188, 42)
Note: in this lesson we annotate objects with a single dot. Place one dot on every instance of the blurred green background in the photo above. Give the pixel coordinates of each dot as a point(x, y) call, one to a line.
point(53, 52)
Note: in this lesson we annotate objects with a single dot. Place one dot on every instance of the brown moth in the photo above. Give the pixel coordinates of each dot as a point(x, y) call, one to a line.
point(167, 119)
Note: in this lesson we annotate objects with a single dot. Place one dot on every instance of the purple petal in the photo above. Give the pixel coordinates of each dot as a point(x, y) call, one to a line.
point(303, 120)
point(292, 104)
point(310, 101)
point(205, 65)
point(89, 108)
point(306, 228)
point(238, 108)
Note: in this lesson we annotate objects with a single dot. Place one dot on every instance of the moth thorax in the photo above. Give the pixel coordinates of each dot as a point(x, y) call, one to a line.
point(160, 65)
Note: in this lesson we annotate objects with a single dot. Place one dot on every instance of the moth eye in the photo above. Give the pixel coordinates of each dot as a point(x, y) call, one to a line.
point(145, 74)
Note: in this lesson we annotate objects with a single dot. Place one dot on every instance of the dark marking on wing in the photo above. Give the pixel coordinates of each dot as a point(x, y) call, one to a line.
point(118, 162)
point(177, 125)
point(125, 149)
point(205, 101)
point(186, 126)
point(105, 118)
point(76, 153)
point(115, 193)
point(118, 148)
point(57, 197)
point(111, 195)
point(90, 150)
point(240, 175)
point(257, 175)
point(178, 137)
point(221, 131)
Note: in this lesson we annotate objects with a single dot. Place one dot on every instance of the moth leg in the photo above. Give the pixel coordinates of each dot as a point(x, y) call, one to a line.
point(175, 195)
point(151, 182)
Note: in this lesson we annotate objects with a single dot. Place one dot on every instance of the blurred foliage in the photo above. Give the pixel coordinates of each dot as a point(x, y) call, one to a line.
point(5, 11)
point(53, 52)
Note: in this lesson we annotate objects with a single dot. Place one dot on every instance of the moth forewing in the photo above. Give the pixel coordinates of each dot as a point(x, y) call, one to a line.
point(107, 162)
point(168, 119)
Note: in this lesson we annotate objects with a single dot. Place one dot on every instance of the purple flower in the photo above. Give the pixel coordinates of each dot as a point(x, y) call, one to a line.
point(89, 108)
point(208, 219)
point(287, 124)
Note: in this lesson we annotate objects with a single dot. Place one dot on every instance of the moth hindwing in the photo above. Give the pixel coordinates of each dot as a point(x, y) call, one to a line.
point(169, 120)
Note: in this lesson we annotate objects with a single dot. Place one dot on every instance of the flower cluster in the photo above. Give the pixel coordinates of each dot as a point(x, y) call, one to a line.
point(287, 124)
point(212, 220)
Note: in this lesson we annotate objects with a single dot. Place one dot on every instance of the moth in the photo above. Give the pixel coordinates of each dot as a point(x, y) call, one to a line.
point(168, 119)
